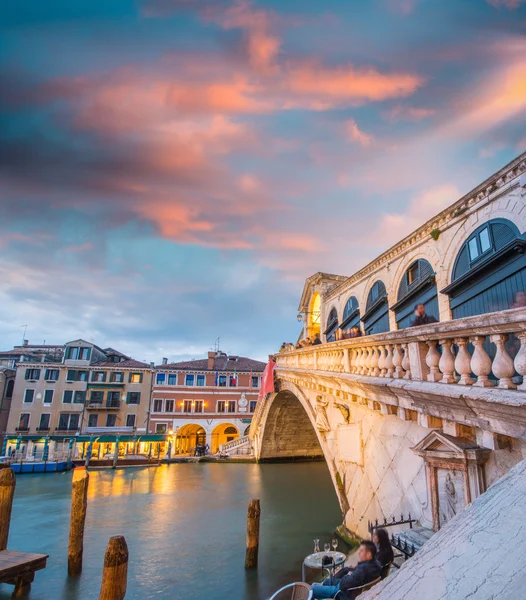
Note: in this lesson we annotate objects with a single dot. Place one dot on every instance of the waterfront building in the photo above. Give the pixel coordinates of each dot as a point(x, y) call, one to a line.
point(94, 395)
point(418, 420)
point(7, 384)
point(206, 401)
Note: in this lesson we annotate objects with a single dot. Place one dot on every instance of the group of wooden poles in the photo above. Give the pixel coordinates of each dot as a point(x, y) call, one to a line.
point(115, 570)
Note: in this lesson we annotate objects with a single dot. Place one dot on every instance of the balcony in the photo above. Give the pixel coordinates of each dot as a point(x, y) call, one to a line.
point(67, 430)
point(43, 428)
point(108, 405)
point(451, 352)
point(21, 429)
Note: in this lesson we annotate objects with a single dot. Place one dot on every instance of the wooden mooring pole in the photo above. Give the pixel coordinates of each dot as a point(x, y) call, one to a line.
point(7, 491)
point(251, 556)
point(79, 505)
point(115, 573)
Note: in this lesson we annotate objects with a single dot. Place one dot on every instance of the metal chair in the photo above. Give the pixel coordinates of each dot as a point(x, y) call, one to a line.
point(385, 570)
point(356, 591)
point(293, 591)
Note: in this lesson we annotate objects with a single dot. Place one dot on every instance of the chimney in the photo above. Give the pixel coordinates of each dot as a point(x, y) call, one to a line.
point(165, 361)
point(152, 365)
point(26, 342)
point(211, 361)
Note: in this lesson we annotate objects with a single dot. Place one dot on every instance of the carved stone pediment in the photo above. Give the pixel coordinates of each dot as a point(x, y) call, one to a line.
point(441, 446)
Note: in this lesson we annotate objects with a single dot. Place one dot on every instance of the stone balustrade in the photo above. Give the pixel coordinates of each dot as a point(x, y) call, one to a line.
point(450, 352)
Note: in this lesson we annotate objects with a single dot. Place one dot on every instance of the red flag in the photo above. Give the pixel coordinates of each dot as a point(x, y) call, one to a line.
point(267, 381)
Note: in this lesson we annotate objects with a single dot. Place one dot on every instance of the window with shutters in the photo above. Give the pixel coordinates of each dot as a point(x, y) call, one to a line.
point(169, 406)
point(67, 397)
point(220, 406)
point(157, 405)
point(32, 374)
point(51, 375)
point(48, 396)
point(133, 398)
point(130, 420)
point(96, 397)
point(45, 419)
point(23, 422)
point(111, 420)
point(29, 396)
point(93, 419)
point(79, 397)
point(135, 377)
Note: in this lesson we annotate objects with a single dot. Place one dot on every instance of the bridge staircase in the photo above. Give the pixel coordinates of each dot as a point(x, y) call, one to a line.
point(242, 446)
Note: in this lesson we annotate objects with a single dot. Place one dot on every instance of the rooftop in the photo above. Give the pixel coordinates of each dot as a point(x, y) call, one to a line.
point(222, 362)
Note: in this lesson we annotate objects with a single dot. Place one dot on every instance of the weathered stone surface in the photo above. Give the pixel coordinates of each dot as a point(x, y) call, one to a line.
point(478, 555)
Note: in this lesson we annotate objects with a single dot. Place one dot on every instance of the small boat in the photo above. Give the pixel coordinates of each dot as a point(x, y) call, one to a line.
point(49, 466)
point(130, 460)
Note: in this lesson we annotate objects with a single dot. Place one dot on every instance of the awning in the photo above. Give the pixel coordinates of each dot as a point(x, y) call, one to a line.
point(104, 438)
point(26, 438)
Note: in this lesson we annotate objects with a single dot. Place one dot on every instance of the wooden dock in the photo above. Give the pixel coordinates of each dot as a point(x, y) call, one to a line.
point(18, 569)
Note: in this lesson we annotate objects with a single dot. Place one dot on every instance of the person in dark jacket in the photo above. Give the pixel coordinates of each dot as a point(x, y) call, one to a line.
point(384, 550)
point(316, 340)
point(368, 569)
point(421, 318)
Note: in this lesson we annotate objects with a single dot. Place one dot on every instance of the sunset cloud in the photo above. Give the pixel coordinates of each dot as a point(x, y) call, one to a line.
point(355, 134)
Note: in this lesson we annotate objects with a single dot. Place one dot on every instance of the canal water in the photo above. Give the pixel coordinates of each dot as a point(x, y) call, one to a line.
point(185, 528)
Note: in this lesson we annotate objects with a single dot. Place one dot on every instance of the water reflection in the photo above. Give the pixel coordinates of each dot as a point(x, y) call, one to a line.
point(184, 525)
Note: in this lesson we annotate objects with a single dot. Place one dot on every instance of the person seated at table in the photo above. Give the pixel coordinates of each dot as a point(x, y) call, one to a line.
point(368, 569)
point(384, 550)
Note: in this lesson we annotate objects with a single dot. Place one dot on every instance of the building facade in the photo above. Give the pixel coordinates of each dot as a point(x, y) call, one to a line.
point(209, 401)
point(91, 395)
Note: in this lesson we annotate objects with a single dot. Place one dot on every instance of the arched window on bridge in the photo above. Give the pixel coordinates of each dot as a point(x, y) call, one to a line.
point(489, 271)
point(332, 325)
point(418, 286)
point(351, 314)
point(376, 317)
point(314, 316)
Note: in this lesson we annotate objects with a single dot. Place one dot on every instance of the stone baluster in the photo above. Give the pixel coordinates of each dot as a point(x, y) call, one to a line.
point(520, 361)
point(374, 370)
point(397, 361)
point(358, 361)
point(381, 361)
point(406, 363)
point(388, 363)
point(432, 360)
point(446, 363)
point(355, 361)
point(369, 362)
point(463, 362)
point(480, 362)
point(363, 361)
point(503, 367)
point(346, 366)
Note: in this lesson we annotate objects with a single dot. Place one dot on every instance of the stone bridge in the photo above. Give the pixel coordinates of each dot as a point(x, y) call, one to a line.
point(416, 421)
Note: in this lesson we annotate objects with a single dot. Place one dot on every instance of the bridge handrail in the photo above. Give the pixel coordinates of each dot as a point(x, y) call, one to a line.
point(413, 354)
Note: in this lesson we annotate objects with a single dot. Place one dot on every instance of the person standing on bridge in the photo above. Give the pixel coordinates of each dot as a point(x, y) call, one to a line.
point(421, 318)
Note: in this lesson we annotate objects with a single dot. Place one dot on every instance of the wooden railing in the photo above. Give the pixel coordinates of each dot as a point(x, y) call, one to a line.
point(472, 351)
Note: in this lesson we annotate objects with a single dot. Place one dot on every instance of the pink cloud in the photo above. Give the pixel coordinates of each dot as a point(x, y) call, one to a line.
point(511, 4)
point(355, 134)
point(408, 113)
point(80, 248)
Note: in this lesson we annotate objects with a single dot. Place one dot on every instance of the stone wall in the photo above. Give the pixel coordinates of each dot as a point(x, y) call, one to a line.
point(375, 471)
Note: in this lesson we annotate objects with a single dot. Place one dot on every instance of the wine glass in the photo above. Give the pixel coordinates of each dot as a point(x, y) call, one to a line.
point(316, 545)
point(327, 547)
point(334, 544)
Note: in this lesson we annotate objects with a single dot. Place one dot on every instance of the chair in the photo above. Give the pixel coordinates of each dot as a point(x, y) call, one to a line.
point(293, 591)
point(356, 591)
point(385, 570)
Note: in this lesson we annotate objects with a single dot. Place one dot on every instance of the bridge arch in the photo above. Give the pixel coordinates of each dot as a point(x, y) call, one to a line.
point(285, 429)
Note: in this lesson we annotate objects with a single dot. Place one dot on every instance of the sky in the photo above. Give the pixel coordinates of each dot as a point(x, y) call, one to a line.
point(172, 170)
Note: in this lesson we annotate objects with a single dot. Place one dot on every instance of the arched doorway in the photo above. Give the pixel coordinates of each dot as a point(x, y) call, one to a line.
point(351, 314)
point(489, 271)
point(314, 316)
point(188, 437)
point(418, 286)
point(332, 325)
point(376, 317)
point(223, 433)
